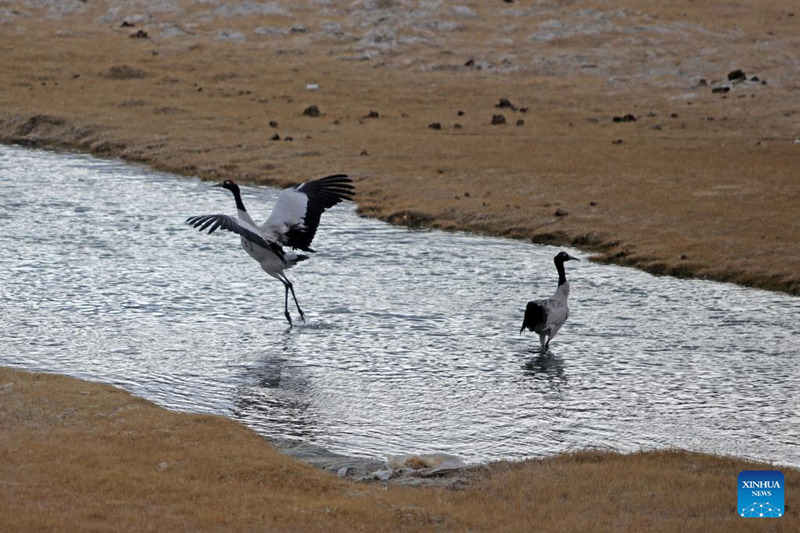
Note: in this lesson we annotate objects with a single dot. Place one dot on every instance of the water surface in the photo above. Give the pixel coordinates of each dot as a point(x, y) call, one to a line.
point(412, 343)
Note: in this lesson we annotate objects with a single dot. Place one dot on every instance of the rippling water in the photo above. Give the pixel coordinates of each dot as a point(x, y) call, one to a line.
point(412, 343)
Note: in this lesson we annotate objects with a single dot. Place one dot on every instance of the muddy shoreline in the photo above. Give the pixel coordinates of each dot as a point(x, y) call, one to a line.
point(622, 131)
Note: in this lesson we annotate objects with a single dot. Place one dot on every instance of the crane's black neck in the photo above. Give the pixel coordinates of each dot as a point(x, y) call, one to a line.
point(238, 197)
point(562, 276)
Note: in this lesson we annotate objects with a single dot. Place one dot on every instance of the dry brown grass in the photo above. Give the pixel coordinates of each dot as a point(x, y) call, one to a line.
point(703, 184)
point(79, 456)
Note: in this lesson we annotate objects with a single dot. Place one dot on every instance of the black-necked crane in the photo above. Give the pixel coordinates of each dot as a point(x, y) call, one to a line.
point(293, 223)
point(546, 316)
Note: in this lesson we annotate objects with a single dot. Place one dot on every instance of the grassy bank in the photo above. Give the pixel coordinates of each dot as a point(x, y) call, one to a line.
point(700, 184)
point(82, 456)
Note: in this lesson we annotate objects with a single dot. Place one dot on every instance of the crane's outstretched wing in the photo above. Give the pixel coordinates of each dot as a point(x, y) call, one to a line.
point(226, 222)
point(294, 220)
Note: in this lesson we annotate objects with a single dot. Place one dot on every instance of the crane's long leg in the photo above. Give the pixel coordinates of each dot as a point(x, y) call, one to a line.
point(286, 302)
point(290, 287)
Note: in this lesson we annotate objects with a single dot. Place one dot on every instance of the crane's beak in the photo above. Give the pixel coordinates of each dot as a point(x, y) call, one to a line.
point(217, 185)
point(573, 258)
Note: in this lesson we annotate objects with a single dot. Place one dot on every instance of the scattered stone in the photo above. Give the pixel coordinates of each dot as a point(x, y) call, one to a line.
point(520, 122)
point(273, 124)
point(467, 195)
point(626, 118)
point(126, 24)
point(684, 257)
point(311, 111)
point(593, 204)
point(460, 113)
point(498, 119)
point(737, 75)
point(199, 89)
point(457, 126)
point(656, 127)
point(372, 114)
point(702, 83)
point(523, 109)
point(673, 115)
point(470, 63)
point(560, 212)
point(289, 139)
point(618, 141)
point(337, 122)
point(140, 34)
point(364, 153)
point(504, 103)
point(275, 137)
point(754, 78)
point(720, 89)
point(435, 126)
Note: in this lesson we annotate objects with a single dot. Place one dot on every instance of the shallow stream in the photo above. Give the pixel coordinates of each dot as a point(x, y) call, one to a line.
point(412, 344)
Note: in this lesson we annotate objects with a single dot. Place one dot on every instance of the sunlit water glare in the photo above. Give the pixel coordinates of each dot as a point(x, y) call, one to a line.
point(413, 340)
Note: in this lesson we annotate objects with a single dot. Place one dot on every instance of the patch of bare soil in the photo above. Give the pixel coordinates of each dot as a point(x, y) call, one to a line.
point(662, 135)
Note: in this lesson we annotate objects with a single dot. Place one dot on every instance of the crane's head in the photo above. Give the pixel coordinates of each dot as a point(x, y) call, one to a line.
point(230, 185)
point(564, 256)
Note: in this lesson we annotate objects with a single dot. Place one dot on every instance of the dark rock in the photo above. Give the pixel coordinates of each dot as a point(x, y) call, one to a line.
point(737, 75)
point(593, 204)
point(720, 89)
point(618, 141)
point(505, 103)
point(126, 24)
point(311, 111)
point(520, 122)
point(470, 63)
point(673, 115)
point(364, 153)
point(273, 124)
point(754, 78)
point(460, 113)
point(625, 118)
point(372, 114)
point(435, 126)
point(523, 109)
point(498, 119)
point(275, 137)
point(457, 126)
point(289, 139)
point(140, 34)
point(560, 212)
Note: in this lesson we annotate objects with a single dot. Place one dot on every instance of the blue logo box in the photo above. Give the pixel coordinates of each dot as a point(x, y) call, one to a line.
point(760, 494)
